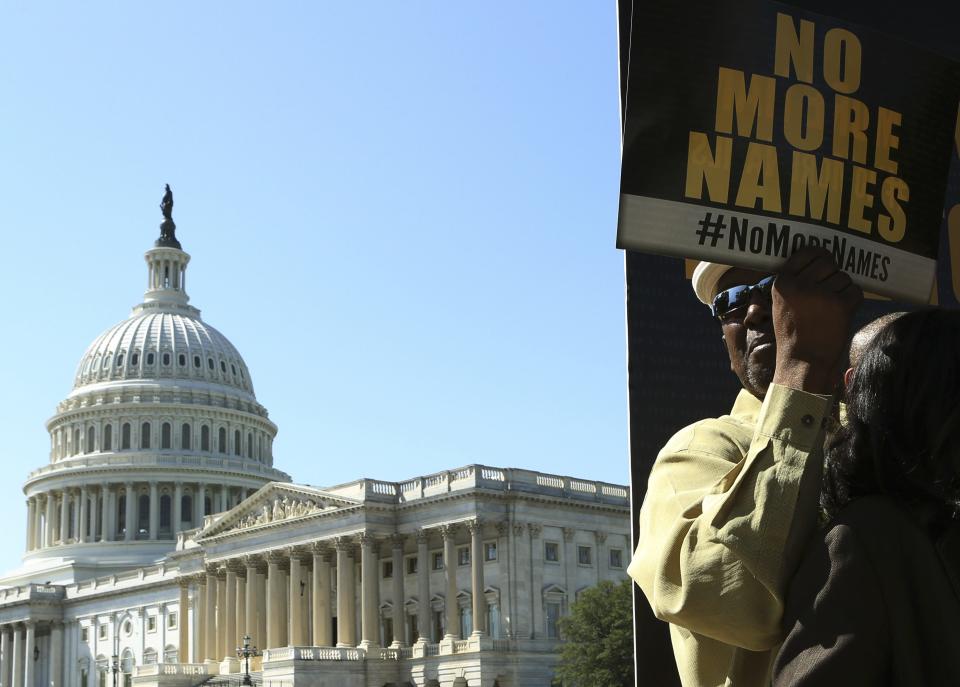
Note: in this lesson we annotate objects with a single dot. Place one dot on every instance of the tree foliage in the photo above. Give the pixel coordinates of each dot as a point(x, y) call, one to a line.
point(598, 651)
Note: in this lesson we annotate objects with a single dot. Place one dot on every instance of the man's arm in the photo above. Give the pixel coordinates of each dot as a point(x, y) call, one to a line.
point(716, 525)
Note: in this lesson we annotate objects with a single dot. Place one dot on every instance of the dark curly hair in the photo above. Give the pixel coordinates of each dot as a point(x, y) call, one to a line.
point(902, 433)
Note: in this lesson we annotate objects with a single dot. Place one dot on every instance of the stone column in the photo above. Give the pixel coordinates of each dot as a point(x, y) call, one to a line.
point(224, 498)
point(56, 654)
point(476, 578)
point(64, 533)
point(131, 512)
point(297, 623)
point(77, 502)
point(154, 527)
point(450, 577)
point(369, 575)
point(602, 557)
point(423, 585)
point(210, 618)
point(321, 597)
point(346, 637)
point(261, 594)
point(28, 665)
point(198, 504)
point(183, 654)
point(252, 603)
point(17, 664)
point(503, 569)
point(82, 521)
point(106, 531)
point(197, 654)
point(399, 626)
point(223, 637)
point(177, 511)
point(230, 602)
point(37, 524)
point(569, 560)
point(29, 545)
point(6, 649)
point(536, 591)
point(242, 628)
point(51, 513)
point(276, 601)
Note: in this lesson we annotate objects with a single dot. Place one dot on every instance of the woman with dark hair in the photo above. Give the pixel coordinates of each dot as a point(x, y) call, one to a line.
point(876, 600)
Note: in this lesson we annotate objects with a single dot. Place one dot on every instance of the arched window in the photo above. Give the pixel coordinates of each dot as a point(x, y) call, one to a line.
point(236, 442)
point(134, 358)
point(170, 654)
point(165, 433)
point(145, 435)
point(222, 440)
point(186, 508)
point(196, 361)
point(121, 514)
point(125, 435)
point(166, 359)
point(76, 441)
point(249, 444)
point(204, 438)
point(182, 360)
point(150, 358)
point(210, 363)
point(185, 437)
point(90, 434)
point(165, 516)
point(149, 656)
point(207, 510)
point(108, 438)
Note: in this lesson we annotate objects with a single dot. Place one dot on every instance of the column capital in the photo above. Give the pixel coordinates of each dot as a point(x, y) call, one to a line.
point(397, 540)
point(601, 536)
point(503, 527)
point(255, 561)
point(535, 528)
point(276, 556)
point(343, 544)
point(568, 533)
point(183, 582)
point(367, 539)
point(475, 525)
point(319, 548)
point(152, 483)
point(448, 531)
point(423, 535)
point(235, 566)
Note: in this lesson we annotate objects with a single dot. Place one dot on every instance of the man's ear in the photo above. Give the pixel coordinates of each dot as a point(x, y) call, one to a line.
point(847, 378)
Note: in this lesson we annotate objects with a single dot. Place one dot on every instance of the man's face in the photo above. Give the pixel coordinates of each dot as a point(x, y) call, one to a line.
point(748, 334)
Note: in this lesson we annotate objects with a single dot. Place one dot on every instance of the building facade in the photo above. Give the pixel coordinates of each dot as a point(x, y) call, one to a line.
point(160, 534)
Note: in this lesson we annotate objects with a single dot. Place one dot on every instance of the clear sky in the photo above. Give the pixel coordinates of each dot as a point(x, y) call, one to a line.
point(402, 214)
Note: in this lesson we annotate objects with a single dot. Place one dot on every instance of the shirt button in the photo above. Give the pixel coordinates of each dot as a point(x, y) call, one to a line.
point(807, 420)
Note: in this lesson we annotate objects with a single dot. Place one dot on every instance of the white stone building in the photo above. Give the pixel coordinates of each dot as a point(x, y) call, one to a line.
point(160, 533)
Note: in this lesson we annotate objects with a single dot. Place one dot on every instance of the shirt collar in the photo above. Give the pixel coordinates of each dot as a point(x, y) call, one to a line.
point(746, 407)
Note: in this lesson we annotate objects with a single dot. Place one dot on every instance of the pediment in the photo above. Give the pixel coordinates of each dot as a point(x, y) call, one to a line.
point(275, 504)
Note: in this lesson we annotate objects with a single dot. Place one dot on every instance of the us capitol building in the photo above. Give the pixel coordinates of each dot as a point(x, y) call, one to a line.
point(160, 534)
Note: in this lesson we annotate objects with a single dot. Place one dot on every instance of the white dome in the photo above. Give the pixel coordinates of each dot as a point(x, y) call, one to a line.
point(163, 345)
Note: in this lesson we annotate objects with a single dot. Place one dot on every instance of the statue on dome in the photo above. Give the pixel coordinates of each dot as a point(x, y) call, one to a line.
point(168, 236)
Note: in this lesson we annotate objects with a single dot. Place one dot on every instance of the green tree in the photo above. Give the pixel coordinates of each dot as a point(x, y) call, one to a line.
point(598, 651)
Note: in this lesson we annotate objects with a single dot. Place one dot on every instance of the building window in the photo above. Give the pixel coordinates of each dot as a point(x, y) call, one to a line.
point(102, 632)
point(584, 555)
point(412, 565)
point(438, 625)
point(134, 359)
point(125, 435)
point(490, 551)
point(90, 434)
point(210, 363)
point(386, 628)
point(616, 558)
point(108, 438)
point(221, 440)
point(223, 367)
point(414, 628)
point(463, 555)
point(493, 621)
point(204, 438)
point(166, 359)
point(437, 560)
point(172, 621)
point(145, 435)
point(149, 358)
point(151, 623)
point(186, 509)
point(185, 437)
point(165, 434)
point(236, 442)
point(553, 620)
point(84, 634)
point(387, 569)
point(551, 552)
point(182, 360)
point(466, 622)
point(196, 361)
point(165, 508)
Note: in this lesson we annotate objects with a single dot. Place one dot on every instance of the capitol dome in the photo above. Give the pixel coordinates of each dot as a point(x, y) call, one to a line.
point(160, 430)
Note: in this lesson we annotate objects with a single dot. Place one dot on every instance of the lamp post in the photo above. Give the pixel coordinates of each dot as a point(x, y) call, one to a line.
point(245, 652)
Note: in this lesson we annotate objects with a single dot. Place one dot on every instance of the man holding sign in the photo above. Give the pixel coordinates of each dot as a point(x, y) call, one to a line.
point(730, 501)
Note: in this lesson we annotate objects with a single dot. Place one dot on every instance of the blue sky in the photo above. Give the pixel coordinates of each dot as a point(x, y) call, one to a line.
point(401, 214)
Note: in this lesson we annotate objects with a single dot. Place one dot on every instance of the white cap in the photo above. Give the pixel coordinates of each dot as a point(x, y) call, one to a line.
point(706, 275)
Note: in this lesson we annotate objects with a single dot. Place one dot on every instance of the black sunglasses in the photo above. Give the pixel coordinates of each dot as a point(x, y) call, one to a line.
point(736, 297)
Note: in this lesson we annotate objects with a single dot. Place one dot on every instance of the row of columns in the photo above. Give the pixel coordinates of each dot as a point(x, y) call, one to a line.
point(96, 515)
point(17, 664)
point(266, 596)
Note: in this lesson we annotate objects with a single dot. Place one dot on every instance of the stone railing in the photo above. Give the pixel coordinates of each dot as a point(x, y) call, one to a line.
point(193, 669)
point(146, 459)
point(462, 646)
point(313, 653)
point(484, 477)
point(389, 654)
point(31, 591)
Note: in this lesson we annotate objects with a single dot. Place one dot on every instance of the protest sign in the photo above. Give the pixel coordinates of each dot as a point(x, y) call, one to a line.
point(753, 128)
